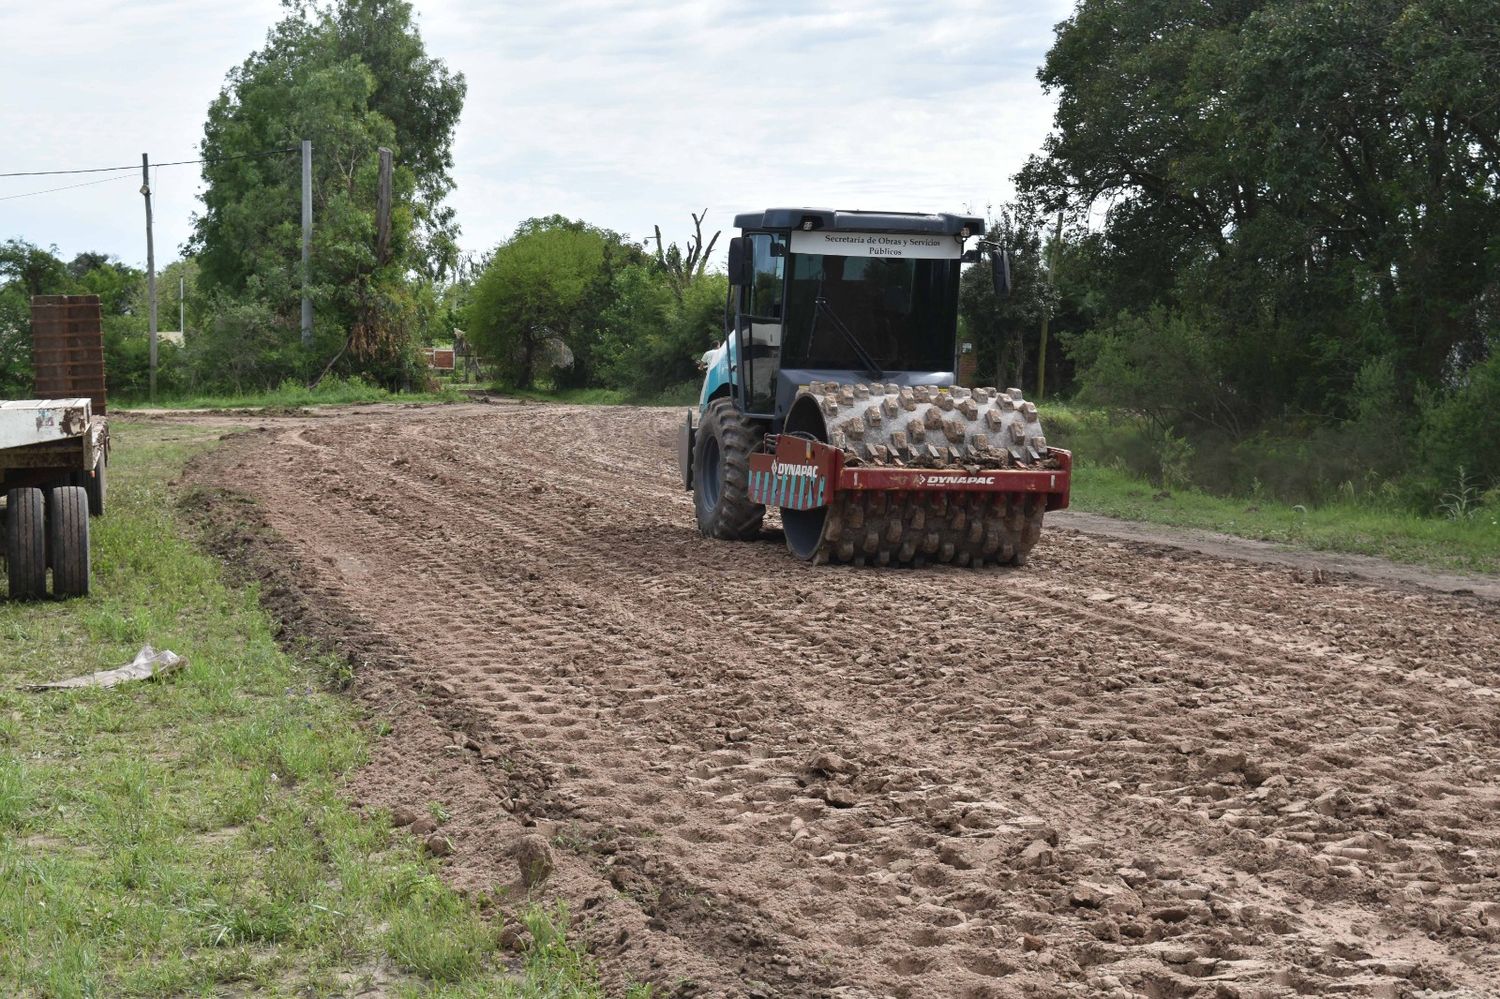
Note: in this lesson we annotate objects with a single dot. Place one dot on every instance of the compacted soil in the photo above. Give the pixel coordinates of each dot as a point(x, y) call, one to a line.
point(1123, 770)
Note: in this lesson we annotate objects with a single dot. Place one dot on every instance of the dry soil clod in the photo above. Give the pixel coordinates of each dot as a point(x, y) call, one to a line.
point(534, 859)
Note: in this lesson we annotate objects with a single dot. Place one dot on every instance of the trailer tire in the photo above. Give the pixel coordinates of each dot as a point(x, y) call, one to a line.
point(96, 485)
point(721, 474)
point(26, 544)
point(68, 531)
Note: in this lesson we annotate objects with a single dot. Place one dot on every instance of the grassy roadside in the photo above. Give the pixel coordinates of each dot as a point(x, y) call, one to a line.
point(291, 395)
point(1471, 545)
point(1112, 452)
point(186, 836)
point(681, 395)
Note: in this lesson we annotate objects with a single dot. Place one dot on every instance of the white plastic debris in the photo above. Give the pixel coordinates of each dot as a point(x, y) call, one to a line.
point(147, 665)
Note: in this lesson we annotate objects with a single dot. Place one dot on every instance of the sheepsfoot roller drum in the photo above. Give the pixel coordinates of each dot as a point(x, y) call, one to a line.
point(885, 474)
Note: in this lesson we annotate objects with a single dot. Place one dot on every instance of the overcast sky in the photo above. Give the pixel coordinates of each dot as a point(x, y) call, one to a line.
point(623, 114)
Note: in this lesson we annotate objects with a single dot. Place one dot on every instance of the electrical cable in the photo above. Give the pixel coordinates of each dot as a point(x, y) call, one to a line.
point(214, 159)
point(54, 190)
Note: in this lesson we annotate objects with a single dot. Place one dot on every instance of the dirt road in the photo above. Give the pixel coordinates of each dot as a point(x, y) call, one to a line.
point(1122, 770)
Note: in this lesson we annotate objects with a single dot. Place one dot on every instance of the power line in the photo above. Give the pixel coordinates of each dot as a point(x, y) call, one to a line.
point(54, 190)
point(214, 159)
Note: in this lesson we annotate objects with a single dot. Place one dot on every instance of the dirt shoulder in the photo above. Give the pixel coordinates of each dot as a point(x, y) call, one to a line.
point(1227, 546)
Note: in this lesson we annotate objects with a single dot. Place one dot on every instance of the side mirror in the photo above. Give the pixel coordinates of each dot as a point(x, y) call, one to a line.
point(741, 261)
point(1000, 266)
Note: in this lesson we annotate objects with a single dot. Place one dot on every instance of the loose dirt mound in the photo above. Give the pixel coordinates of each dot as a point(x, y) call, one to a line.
point(1113, 772)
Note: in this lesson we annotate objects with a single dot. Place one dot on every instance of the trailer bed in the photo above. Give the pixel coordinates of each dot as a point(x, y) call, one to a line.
point(58, 434)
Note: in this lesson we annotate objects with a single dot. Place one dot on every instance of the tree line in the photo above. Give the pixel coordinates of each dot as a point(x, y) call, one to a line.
point(1292, 271)
point(1266, 230)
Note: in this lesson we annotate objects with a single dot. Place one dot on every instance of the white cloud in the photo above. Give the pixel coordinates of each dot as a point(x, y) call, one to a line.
point(625, 114)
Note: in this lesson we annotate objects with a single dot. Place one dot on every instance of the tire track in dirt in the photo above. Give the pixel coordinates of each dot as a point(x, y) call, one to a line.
point(1109, 773)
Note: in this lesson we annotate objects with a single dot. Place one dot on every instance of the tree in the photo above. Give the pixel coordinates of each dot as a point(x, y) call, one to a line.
point(683, 268)
point(532, 298)
point(422, 100)
point(588, 329)
point(30, 270)
point(27, 270)
point(1004, 330)
point(656, 333)
point(351, 78)
point(1313, 185)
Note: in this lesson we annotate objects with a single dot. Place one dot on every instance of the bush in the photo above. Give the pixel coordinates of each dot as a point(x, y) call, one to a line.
point(243, 347)
point(653, 339)
point(127, 361)
point(1461, 428)
point(1161, 365)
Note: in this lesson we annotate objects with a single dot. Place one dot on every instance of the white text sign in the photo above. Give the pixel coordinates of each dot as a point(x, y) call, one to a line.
point(877, 244)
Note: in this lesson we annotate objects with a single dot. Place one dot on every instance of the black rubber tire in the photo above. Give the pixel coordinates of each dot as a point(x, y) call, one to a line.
point(97, 486)
point(68, 532)
point(721, 474)
point(26, 544)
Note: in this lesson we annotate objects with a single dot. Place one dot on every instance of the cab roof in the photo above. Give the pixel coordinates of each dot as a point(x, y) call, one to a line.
point(787, 219)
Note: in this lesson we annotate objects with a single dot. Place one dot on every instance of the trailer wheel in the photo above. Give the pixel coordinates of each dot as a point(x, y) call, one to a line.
point(68, 530)
point(26, 544)
point(96, 485)
point(721, 474)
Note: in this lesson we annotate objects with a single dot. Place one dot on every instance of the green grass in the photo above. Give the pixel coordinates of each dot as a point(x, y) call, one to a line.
point(1471, 544)
point(186, 836)
point(1119, 465)
point(293, 395)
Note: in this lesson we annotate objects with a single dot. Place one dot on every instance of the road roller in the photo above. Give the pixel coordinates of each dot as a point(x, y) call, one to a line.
point(835, 399)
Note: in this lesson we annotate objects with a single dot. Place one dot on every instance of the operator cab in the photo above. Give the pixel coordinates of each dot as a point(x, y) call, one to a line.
point(829, 296)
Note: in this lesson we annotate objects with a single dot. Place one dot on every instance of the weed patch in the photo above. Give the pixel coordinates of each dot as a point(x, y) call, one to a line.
point(187, 835)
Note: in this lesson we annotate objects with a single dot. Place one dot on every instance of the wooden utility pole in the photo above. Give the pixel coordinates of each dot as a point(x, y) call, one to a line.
point(383, 209)
point(150, 267)
point(307, 324)
point(1041, 354)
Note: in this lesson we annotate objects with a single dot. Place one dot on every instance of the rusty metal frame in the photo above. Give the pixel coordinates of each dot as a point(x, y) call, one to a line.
point(801, 474)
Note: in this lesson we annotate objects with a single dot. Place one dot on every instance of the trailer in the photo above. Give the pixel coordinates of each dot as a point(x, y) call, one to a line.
point(54, 452)
point(53, 456)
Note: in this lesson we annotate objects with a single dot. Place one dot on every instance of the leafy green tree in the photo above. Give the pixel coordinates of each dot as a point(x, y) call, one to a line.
point(350, 77)
point(529, 307)
point(657, 329)
point(241, 347)
point(30, 270)
point(1293, 158)
point(1461, 427)
point(588, 329)
point(1005, 330)
point(1295, 189)
point(25, 270)
point(422, 100)
point(121, 288)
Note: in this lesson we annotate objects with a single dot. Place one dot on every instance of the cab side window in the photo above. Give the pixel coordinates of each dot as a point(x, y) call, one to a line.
point(770, 264)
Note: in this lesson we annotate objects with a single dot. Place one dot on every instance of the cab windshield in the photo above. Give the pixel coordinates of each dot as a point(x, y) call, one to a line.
point(904, 312)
